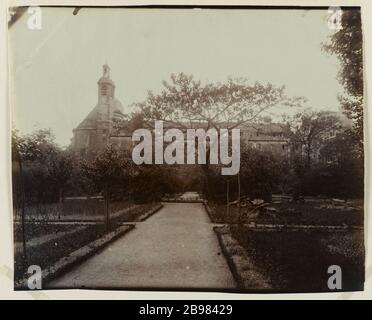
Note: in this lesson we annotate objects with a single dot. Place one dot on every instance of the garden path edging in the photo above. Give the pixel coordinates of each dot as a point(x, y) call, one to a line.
point(150, 213)
point(77, 256)
point(246, 277)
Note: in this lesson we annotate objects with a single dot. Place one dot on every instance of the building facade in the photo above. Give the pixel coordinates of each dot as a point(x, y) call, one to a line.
point(98, 130)
point(271, 137)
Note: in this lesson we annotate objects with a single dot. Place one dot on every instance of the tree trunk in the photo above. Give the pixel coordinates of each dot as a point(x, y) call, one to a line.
point(107, 209)
point(228, 200)
point(308, 157)
point(205, 168)
point(60, 201)
point(239, 217)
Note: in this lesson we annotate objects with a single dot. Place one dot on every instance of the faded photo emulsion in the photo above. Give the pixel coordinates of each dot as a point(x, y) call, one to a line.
point(217, 149)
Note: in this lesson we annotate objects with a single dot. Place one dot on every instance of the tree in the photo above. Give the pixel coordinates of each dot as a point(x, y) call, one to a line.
point(259, 173)
point(341, 172)
point(59, 166)
point(186, 103)
point(309, 130)
point(108, 172)
point(151, 182)
point(47, 168)
point(32, 155)
point(36, 146)
point(346, 44)
point(17, 143)
point(136, 121)
point(32, 152)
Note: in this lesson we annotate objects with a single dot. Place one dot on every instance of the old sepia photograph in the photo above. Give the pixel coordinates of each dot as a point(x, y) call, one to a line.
point(213, 149)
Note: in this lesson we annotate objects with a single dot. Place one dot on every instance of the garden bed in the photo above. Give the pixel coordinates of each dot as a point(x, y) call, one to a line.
point(33, 230)
point(49, 252)
point(77, 256)
point(49, 242)
point(297, 261)
point(136, 213)
point(316, 212)
point(76, 209)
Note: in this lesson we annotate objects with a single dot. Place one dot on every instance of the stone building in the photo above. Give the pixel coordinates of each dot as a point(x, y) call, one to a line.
point(98, 130)
point(271, 137)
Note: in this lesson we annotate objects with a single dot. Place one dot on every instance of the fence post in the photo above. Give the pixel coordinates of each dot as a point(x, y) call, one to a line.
point(239, 218)
point(228, 199)
point(107, 209)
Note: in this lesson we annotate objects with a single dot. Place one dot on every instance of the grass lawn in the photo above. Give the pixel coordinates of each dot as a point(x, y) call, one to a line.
point(297, 261)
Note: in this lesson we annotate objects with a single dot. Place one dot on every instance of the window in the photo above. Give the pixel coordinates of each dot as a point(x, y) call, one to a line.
point(104, 90)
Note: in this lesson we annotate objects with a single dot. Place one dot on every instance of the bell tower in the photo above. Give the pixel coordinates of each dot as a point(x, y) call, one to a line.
point(94, 133)
point(106, 94)
point(106, 87)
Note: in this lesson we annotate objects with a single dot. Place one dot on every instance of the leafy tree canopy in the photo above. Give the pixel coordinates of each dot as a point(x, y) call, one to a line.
point(346, 44)
point(185, 102)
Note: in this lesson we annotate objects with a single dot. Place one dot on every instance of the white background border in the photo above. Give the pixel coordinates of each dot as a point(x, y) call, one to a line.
point(6, 239)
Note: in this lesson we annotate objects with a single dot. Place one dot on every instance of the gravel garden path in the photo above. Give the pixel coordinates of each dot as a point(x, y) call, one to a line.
point(174, 248)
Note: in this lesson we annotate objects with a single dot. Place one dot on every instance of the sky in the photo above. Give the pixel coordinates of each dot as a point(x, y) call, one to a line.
point(54, 71)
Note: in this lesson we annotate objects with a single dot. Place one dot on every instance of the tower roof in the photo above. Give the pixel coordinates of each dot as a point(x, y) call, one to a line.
point(106, 75)
point(99, 112)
